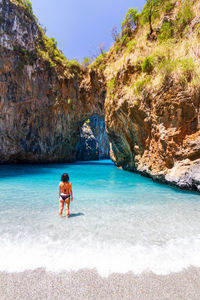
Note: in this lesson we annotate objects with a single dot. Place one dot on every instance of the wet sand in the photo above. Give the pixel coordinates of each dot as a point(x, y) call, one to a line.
point(87, 284)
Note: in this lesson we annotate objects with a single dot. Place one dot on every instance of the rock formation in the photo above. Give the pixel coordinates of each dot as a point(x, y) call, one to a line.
point(42, 107)
point(153, 100)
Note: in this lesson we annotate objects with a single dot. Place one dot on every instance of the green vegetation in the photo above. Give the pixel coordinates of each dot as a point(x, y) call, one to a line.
point(140, 84)
point(87, 122)
point(28, 6)
point(130, 20)
point(110, 86)
point(25, 57)
point(166, 31)
point(184, 17)
point(124, 40)
point(24, 3)
point(198, 30)
point(150, 12)
point(186, 65)
point(148, 65)
point(117, 47)
point(168, 7)
point(185, 68)
point(98, 62)
point(86, 61)
point(72, 63)
point(47, 49)
point(168, 53)
point(130, 45)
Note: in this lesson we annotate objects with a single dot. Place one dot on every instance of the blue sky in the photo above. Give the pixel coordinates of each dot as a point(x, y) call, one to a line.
point(79, 26)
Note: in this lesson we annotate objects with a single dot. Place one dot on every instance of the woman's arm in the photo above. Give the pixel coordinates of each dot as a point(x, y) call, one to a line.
point(70, 190)
point(59, 190)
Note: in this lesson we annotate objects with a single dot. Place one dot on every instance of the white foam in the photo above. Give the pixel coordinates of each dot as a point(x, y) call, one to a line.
point(107, 258)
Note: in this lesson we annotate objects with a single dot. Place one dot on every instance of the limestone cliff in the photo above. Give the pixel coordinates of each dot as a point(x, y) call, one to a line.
point(44, 99)
point(153, 100)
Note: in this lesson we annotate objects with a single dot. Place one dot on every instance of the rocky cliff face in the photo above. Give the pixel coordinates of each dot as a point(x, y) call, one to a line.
point(153, 101)
point(147, 89)
point(94, 142)
point(159, 137)
point(42, 107)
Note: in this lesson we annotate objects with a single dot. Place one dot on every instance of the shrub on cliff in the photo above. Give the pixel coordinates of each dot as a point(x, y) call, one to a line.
point(130, 20)
point(140, 84)
point(25, 57)
point(184, 17)
point(168, 7)
point(130, 45)
point(110, 86)
point(86, 62)
point(98, 62)
point(148, 65)
point(24, 3)
point(166, 31)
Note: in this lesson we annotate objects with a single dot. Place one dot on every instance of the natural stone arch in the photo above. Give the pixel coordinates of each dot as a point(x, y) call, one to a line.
point(94, 141)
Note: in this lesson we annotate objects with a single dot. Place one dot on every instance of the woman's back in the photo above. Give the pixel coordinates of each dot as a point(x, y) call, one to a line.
point(65, 187)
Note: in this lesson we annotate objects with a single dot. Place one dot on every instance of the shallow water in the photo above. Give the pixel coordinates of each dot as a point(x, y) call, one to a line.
point(119, 221)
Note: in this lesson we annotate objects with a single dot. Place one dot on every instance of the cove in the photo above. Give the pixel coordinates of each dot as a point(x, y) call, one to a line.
point(119, 221)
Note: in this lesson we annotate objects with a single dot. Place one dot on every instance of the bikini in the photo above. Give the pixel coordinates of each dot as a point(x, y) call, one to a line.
point(64, 196)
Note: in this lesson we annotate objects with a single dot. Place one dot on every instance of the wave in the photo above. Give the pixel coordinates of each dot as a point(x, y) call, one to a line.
point(106, 258)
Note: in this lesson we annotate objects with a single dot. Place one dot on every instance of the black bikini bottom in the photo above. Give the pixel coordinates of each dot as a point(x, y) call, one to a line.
point(64, 196)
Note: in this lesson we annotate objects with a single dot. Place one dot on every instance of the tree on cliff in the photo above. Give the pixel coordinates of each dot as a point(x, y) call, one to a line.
point(131, 18)
point(150, 12)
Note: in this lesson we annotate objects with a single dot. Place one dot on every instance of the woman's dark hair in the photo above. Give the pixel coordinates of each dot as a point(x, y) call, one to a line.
point(65, 177)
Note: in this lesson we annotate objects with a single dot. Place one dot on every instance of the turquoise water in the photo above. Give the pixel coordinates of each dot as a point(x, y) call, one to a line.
point(119, 221)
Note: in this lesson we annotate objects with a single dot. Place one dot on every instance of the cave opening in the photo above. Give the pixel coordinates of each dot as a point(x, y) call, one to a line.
point(94, 142)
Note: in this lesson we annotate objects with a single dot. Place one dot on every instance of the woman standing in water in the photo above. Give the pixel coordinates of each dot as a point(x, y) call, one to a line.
point(65, 194)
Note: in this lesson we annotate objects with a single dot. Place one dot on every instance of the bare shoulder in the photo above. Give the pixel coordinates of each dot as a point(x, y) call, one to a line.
point(61, 183)
point(70, 184)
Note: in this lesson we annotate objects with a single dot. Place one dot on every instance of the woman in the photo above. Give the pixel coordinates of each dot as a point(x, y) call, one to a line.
point(65, 194)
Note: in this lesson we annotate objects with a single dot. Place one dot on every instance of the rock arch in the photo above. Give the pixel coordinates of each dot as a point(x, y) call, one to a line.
point(94, 141)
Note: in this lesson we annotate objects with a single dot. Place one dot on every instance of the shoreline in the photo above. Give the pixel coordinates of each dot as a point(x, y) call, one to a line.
point(88, 284)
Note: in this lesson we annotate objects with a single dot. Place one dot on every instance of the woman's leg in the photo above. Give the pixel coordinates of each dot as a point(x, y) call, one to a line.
point(67, 203)
point(61, 207)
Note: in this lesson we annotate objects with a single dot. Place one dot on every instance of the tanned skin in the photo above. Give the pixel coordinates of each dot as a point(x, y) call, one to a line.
point(66, 188)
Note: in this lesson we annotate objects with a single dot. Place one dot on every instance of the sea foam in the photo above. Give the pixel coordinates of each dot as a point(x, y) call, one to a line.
point(106, 258)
